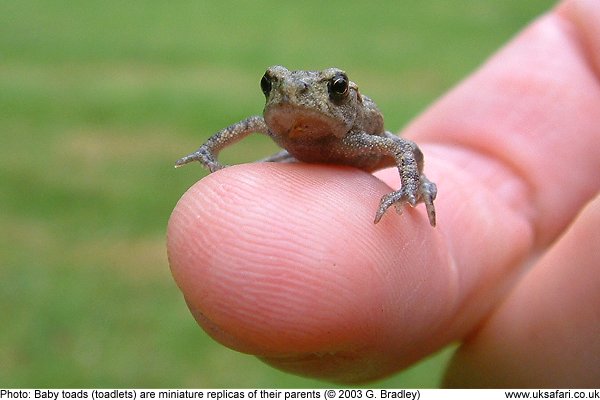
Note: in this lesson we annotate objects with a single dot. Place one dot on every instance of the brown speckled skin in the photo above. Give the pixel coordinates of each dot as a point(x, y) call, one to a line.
point(320, 117)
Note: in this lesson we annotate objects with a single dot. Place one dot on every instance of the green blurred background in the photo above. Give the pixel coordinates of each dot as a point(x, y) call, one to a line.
point(99, 98)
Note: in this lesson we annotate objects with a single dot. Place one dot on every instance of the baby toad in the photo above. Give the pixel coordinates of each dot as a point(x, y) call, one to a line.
point(320, 117)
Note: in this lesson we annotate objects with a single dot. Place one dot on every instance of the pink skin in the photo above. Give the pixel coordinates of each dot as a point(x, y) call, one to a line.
point(283, 260)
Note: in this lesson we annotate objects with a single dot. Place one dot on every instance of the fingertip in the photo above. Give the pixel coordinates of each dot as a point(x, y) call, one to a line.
point(280, 260)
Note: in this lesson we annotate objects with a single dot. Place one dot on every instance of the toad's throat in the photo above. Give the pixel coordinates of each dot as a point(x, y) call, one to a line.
point(309, 128)
point(305, 127)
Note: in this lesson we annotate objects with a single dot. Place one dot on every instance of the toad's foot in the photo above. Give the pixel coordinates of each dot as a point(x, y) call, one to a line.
point(204, 157)
point(283, 157)
point(425, 194)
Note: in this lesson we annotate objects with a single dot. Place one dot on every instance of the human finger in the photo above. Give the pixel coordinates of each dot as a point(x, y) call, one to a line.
point(546, 334)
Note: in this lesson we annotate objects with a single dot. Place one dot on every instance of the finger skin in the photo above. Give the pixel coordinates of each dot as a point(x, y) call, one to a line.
point(547, 333)
point(535, 107)
point(283, 260)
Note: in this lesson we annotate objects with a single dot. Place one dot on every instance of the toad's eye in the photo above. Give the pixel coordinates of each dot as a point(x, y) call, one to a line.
point(338, 86)
point(266, 83)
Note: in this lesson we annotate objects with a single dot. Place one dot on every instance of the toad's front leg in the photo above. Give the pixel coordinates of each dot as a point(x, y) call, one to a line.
point(416, 188)
point(208, 152)
point(426, 191)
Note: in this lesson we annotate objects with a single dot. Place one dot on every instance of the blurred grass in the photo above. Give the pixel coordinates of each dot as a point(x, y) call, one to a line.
point(97, 100)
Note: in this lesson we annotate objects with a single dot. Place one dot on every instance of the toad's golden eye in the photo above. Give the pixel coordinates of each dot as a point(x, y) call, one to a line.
point(266, 83)
point(338, 86)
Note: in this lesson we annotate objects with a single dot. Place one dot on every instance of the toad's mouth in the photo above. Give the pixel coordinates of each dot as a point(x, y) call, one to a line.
point(300, 123)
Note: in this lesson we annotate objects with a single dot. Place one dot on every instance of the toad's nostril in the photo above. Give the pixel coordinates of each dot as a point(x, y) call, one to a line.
point(303, 86)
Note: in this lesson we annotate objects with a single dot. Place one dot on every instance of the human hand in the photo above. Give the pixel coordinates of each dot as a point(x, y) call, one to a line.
point(283, 260)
